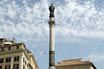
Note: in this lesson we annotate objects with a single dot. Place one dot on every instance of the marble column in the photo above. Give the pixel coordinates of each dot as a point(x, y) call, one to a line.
point(51, 39)
point(51, 45)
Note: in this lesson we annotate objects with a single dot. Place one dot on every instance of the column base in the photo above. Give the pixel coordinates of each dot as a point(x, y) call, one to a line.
point(52, 67)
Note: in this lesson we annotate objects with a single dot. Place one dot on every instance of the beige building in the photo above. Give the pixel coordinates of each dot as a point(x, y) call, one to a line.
point(15, 56)
point(75, 64)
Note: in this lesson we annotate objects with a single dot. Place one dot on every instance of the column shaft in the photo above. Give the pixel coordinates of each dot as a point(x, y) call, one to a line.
point(51, 46)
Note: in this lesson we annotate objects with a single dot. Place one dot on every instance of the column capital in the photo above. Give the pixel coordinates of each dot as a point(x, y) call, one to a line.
point(51, 21)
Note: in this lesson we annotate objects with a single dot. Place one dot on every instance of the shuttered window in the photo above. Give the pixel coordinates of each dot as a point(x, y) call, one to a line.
point(7, 67)
point(16, 66)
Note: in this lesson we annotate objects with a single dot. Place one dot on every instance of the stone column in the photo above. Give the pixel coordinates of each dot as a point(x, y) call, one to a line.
point(51, 43)
point(12, 60)
point(21, 62)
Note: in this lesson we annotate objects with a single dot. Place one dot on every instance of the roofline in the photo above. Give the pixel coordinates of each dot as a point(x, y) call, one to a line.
point(12, 45)
point(93, 66)
point(35, 61)
point(79, 64)
point(31, 55)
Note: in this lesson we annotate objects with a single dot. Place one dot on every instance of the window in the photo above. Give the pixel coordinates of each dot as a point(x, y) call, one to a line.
point(8, 59)
point(16, 66)
point(7, 67)
point(17, 47)
point(23, 67)
point(16, 58)
point(9, 48)
point(23, 60)
point(1, 60)
point(30, 67)
point(0, 67)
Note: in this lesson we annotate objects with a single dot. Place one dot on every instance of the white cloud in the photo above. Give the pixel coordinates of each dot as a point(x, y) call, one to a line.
point(72, 19)
point(82, 19)
point(30, 23)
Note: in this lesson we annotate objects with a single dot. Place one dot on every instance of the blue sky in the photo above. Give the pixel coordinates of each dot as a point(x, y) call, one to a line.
point(79, 29)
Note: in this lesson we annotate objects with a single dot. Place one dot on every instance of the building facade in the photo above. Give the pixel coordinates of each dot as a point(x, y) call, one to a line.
point(15, 56)
point(75, 64)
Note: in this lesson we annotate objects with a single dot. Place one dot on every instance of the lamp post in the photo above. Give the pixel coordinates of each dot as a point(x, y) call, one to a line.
point(51, 39)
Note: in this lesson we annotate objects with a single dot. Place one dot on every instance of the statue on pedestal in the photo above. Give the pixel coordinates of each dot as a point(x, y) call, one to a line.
point(51, 9)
